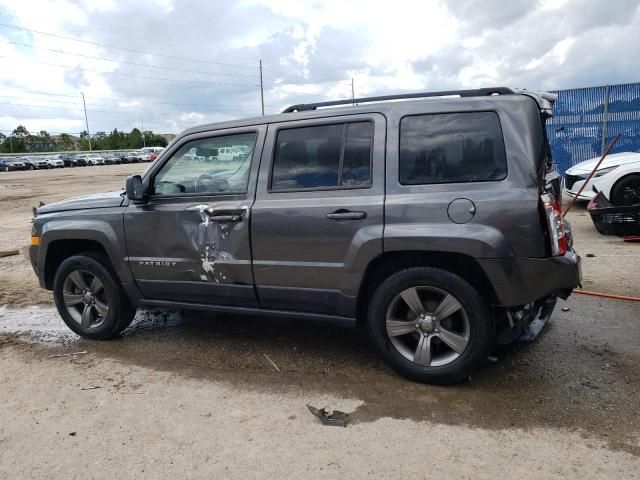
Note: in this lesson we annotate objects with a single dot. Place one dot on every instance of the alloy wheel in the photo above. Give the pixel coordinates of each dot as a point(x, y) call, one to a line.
point(427, 326)
point(85, 298)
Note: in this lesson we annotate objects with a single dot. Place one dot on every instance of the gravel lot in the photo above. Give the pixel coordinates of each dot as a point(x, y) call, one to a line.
point(191, 395)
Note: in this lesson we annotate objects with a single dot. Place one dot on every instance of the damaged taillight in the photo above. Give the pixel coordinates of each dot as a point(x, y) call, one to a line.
point(555, 222)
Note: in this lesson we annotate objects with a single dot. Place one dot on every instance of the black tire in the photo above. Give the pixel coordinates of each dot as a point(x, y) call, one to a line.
point(481, 328)
point(120, 310)
point(626, 191)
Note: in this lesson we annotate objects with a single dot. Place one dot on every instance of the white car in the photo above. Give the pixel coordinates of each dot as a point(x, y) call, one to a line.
point(94, 160)
point(39, 162)
point(150, 153)
point(618, 178)
point(228, 154)
point(145, 154)
point(55, 162)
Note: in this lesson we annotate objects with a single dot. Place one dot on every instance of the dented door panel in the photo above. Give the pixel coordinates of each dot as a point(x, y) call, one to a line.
point(194, 248)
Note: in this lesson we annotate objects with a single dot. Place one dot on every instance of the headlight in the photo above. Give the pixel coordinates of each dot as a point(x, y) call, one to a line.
point(604, 171)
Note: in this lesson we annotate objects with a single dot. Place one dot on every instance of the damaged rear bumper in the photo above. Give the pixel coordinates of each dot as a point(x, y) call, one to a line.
point(526, 323)
point(519, 281)
point(614, 220)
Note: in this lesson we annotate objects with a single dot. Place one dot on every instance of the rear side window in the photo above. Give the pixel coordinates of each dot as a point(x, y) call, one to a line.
point(451, 147)
point(323, 156)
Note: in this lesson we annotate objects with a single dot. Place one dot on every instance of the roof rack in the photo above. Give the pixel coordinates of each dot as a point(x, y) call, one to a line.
point(478, 92)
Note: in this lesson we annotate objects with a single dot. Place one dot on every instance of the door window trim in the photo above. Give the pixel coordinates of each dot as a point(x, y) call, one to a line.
point(345, 128)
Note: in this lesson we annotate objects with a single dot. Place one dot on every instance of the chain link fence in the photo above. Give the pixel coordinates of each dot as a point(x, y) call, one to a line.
point(586, 119)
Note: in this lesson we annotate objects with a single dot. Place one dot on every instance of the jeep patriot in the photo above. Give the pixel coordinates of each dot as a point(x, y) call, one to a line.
point(432, 220)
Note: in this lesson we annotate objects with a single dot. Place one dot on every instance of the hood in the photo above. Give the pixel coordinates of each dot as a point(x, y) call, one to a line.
point(613, 160)
point(96, 200)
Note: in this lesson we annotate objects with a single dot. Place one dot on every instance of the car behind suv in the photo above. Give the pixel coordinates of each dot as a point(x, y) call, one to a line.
point(430, 221)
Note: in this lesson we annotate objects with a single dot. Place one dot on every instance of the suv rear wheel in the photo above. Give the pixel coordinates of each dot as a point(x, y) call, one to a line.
point(89, 298)
point(430, 325)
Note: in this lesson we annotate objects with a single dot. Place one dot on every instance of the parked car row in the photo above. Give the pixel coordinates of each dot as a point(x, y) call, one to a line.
point(40, 162)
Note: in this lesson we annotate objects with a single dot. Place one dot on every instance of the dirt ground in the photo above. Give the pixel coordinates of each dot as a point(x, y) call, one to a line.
point(192, 395)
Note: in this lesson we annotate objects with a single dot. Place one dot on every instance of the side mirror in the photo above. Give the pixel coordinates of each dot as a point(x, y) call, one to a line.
point(135, 188)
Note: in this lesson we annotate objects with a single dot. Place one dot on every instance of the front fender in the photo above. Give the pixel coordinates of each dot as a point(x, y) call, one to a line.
point(106, 229)
point(477, 241)
point(605, 183)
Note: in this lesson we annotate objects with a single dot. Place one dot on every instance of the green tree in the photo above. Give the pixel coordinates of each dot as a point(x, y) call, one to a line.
point(99, 141)
point(135, 139)
point(114, 140)
point(65, 142)
point(154, 140)
point(84, 140)
point(19, 138)
point(40, 142)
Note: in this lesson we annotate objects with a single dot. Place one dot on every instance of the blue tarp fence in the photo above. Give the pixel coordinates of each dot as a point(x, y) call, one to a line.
point(586, 119)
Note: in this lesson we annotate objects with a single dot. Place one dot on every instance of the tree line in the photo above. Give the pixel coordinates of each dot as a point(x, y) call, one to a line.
point(21, 140)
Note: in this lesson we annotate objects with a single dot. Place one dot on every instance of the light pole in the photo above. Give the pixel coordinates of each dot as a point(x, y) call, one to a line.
point(353, 93)
point(86, 120)
point(261, 90)
point(144, 141)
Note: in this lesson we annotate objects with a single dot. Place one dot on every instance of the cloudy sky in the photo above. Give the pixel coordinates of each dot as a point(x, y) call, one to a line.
point(172, 64)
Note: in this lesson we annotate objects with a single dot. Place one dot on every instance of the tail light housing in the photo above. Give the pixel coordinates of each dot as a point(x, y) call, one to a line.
point(555, 223)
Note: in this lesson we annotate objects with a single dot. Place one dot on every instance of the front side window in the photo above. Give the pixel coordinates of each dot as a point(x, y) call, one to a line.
point(451, 147)
point(203, 166)
point(323, 156)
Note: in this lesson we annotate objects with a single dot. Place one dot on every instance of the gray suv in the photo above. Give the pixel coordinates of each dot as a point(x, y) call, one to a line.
point(431, 222)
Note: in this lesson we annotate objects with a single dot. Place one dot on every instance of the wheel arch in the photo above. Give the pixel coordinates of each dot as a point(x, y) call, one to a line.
point(59, 250)
point(389, 263)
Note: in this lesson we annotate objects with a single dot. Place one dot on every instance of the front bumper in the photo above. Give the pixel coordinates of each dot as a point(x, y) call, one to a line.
point(519, 281)
point(32, 255)
point(586, 194)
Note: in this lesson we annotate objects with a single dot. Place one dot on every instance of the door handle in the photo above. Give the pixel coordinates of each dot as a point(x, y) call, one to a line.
point(220, 214)
point(346, 215)
point(226, 218)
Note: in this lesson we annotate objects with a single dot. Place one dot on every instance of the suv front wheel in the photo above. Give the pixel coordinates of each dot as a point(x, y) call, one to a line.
point(89, 298)
point(430, 325)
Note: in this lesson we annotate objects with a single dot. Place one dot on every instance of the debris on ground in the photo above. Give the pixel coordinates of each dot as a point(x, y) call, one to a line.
point(70, 354)
point(93, 387)
point(330, 417)
point(590, 255)
point(589, 384)
point(565, 309)
point(271, 362)
point(8, 253)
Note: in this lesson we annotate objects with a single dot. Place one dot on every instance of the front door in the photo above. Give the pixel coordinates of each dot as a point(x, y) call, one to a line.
point(318, 216)
point(190, 241)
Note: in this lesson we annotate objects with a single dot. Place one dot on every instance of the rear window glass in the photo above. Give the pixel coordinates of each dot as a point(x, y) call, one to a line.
point(324, 156)
point(451, 147)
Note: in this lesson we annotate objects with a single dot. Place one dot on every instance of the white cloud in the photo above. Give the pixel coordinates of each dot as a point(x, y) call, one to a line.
point(310, 50)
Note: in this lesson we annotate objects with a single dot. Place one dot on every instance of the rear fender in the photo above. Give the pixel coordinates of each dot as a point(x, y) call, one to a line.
point(477, 241)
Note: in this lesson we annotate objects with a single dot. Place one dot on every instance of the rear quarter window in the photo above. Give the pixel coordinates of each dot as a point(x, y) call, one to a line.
point(451, 148)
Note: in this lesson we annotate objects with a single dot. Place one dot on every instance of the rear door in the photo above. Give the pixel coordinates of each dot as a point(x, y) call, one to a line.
point(190, 241)
point(318, 216)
